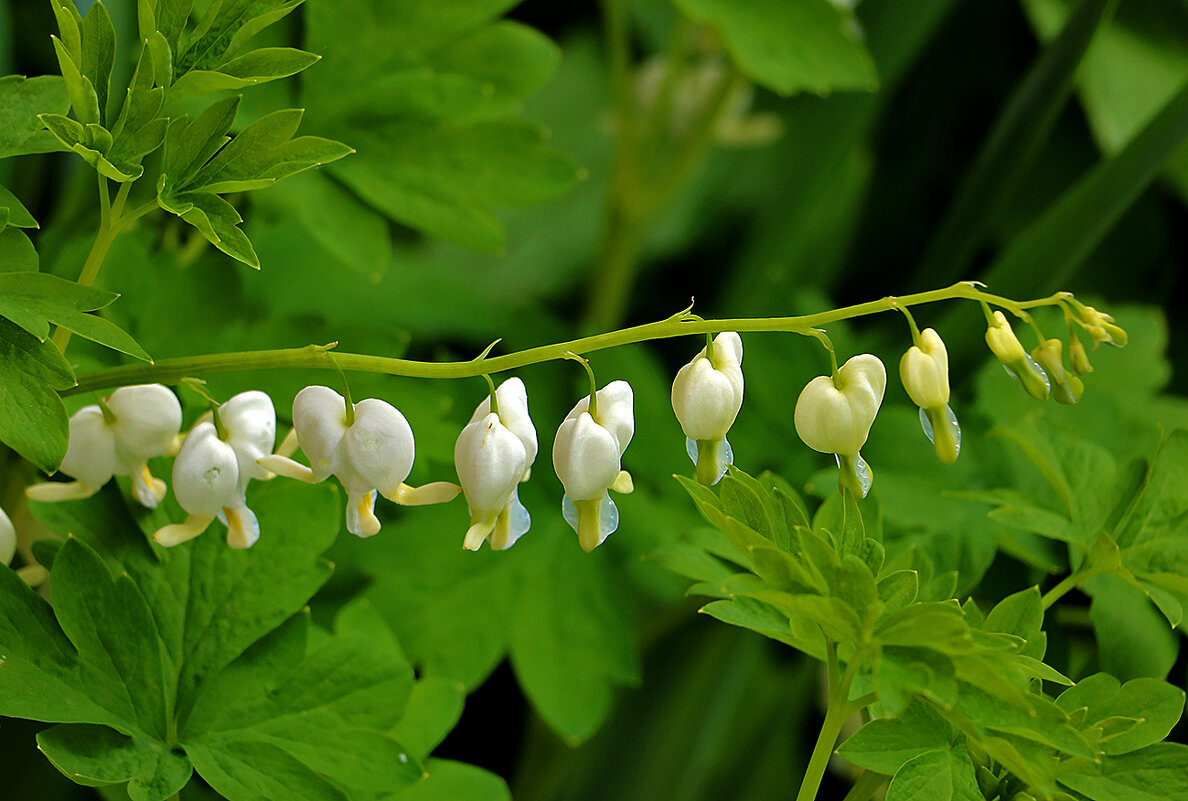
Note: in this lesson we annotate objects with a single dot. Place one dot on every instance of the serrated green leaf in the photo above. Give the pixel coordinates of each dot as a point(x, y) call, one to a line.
point(34, 300)
point(13, 210)
point(32, 416)
point(96, 756)
point(790, 47)
point(17, 253)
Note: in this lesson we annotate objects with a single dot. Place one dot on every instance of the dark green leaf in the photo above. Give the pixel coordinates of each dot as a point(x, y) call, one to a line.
point(1155, 773)
point(886, 744)
point(32, 416)
point(1022, 615)
point(1155, 705)
point(83, 98)
point(97, 755)
point(433, 709)
point(1133, 638)
point(943, 775)
point(455, 781)
point(17, 253)
point(22, 100)
point(98, 53)
point(790, 47)
point(217, 220)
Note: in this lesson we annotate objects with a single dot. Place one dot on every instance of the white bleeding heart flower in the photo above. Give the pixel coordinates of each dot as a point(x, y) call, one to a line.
point(494, 453)
point(587, 455)
point(706, 396)
point(212, 471)
point(369, 455)
point(139, 423)
point(834, 415)
point(8, 539)
point(924, 370)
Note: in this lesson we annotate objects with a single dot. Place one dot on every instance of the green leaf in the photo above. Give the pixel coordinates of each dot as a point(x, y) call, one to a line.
point(886, 744)
point(22, 100)
point(32, 416)
point(1055, 245)
point(93, 143)
point(790, 46)
point(34, 300)
point(13, 211)
point(568, 663)
point(98, 53)
point(433, 709)
point(765, 619)
point(96, 756)
point(257, 67)
point(446, 179)
point(1155, 773)
point(943, 775)
point(190, 144)
point(455, 781)
point(217, 220)
point(1155, 704)
point(903, 672)
point(222, 30)
point(83, 98)
point(1133, 638)
point(17, 253)
point(1011, 147)
point(1021, 614)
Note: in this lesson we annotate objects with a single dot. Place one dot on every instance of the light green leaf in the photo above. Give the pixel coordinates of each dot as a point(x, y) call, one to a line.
point(790, 46)
point(34, 300)
point(212, 42)
point(83, 98)
point(13, 210)
point(1133, 638)
point(1155, 704)
point(1021, 614)
point(433, 709)
point(217, 220)
point(763, 618)
point(32, 416)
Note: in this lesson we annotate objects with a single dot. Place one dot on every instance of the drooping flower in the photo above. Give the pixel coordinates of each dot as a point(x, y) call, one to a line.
point(1102, 328)
point(1016, 361)
point(924, 371)
point(8, 539)
point(133, 425)
point(494, 453)
point(706, 396)
point(834, 415)
point(371, 453)
point(215, 465)
point(587, 455)
point(1066, 387)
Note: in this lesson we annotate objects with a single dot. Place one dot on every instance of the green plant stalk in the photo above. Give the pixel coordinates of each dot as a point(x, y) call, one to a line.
point(681, 324)
point(838, 711)
point(1067, 585)
point(866, 786)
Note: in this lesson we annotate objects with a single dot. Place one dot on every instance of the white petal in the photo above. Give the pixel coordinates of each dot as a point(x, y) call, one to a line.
point(513, 413)
point(147, 418)
point(706, 400)
point(585, 457)
point(490, 460)
point(319, 418)
point(380, 445)
point(205, 473)
point(90, 453)
point(249, 419)
point(8, 541)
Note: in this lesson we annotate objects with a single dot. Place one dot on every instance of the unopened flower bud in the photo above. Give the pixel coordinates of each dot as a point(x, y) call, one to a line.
point(1078, 356)
point(924, 370)
point(1102, 328)
point(587, 453)
point(706, 396)
point(1015, 360)
point(835, 416)
point(1066, 387)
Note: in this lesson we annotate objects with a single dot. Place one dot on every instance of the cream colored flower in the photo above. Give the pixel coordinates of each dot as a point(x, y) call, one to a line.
point(706, 396)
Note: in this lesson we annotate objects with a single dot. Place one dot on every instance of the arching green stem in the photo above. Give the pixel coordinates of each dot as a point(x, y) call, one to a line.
point(681, 324)
point(593, 407)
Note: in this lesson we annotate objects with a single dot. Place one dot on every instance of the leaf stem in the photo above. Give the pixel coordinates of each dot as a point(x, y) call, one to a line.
point(1067, 585)
point(681, 324)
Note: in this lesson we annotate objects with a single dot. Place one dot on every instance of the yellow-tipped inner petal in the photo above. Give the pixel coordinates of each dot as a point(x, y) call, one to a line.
point(54, 491)
point(623, 483)
point(284, 466)
point(478, 533)
point(178, 533)
point(436, 492)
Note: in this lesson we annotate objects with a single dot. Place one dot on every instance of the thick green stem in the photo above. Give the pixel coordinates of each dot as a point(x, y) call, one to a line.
point(1067, 585)
point(682, 324)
